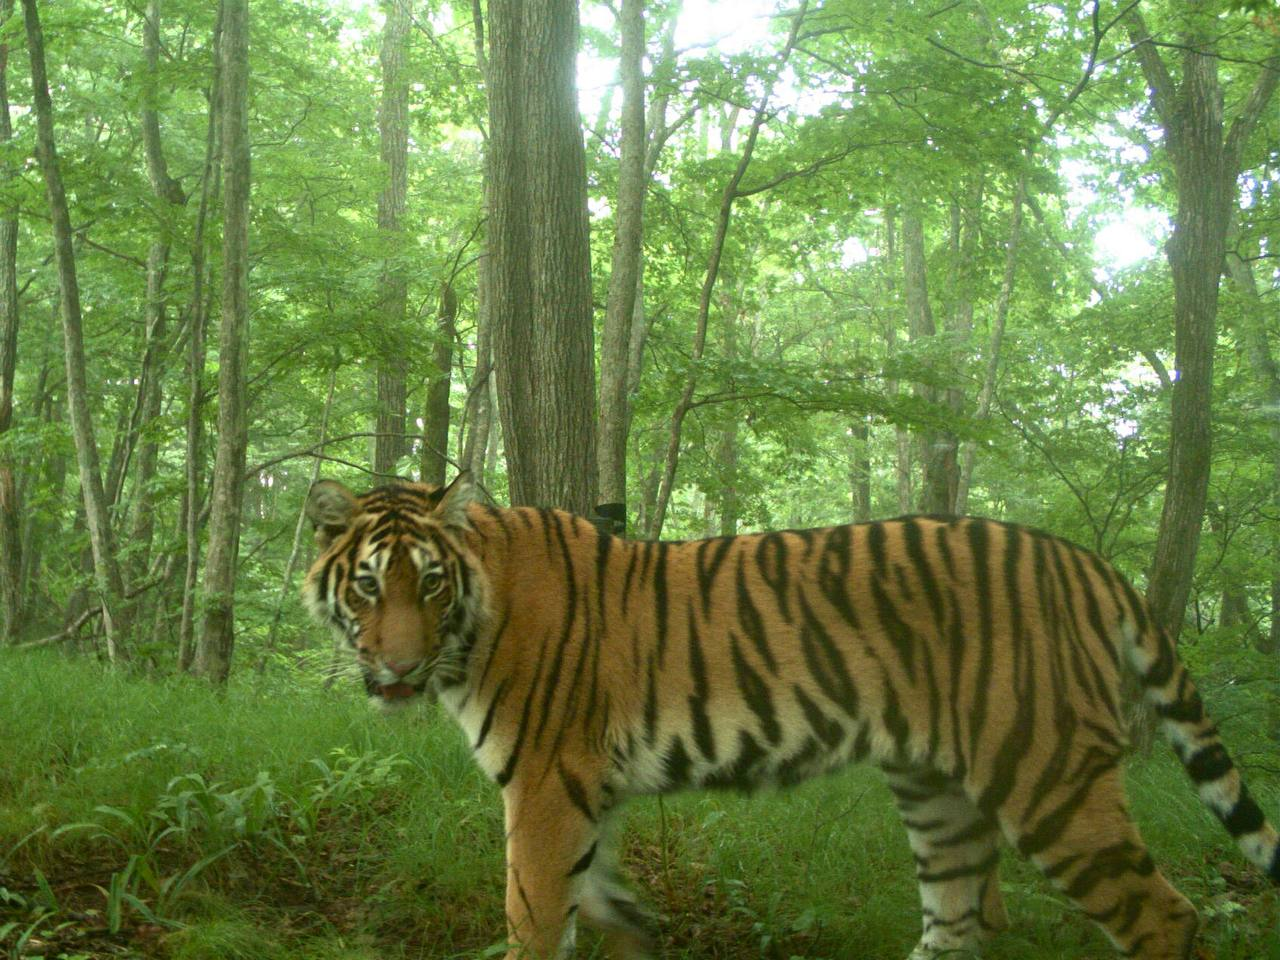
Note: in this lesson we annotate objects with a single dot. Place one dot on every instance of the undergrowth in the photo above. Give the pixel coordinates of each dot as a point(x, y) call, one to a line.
point(276, 819)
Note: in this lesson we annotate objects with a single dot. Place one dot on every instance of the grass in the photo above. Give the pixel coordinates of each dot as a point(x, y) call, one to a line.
point(157, 818)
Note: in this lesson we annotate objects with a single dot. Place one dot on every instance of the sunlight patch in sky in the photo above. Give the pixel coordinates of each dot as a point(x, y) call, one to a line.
point(1132, 238)
point(731, 28)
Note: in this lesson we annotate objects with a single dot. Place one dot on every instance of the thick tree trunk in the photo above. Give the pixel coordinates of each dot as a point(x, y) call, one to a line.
point(106, 569)
point(393, 129)
point(1205, 164)
point(200, 309)
point(624, 273)
point(11, 546)
point(217, 634)
point(542, 309)
point(435, 429)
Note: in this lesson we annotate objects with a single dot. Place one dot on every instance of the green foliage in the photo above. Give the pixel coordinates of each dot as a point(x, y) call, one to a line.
point(188, 808)
point(270, 821)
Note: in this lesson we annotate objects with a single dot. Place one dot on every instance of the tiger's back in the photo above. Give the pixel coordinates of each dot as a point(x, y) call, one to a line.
point(978, 663)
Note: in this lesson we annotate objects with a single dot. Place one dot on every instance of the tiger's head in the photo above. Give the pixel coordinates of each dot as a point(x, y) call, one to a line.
point(396, 582)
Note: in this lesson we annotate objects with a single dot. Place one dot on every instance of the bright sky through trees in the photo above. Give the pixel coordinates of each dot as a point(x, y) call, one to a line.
point(1128, 234)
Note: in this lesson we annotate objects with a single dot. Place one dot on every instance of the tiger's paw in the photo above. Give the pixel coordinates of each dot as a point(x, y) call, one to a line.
point(953, 949)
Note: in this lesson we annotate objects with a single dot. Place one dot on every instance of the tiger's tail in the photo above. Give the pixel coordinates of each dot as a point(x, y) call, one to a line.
point(1169, 689)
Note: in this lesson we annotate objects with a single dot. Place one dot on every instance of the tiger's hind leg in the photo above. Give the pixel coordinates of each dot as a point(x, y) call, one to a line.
point(957, 861)
point(609, 906)
point(1078, 832)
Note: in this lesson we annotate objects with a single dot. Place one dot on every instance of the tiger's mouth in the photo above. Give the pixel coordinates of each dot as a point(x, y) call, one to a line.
point(396, 691)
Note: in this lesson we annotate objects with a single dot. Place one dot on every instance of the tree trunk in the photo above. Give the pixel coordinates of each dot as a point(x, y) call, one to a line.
point(1233, 609)
point(937, 448)
point(988, 390)
point(106, 569)
point(624, 273)
point(541, 278)
point(170, 197)
point(200, 309)
point(645, 511)
point(151, 396)
point(393, 129)
point(860, 469)
point(727, 197)
point(478, 415)
point(901, 438)
point(11, 594)
point(39, 531)
point(489, 465)
point(1252, 330)
point(217, 634)
point(727, 448)
point(299, 529)
point(435, 430)
point(1205, 164)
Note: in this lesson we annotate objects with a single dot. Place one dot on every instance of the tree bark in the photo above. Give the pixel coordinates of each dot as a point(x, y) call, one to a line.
point(170, 197)
point(11, 546)
point(479, 414)
point(1206, 163)
point(624, 274)
point(217, 634)
point(435, 428)
point(542, 310)
point(478, 417)
point(200, 308)
point(393, 129)
point(106, 569)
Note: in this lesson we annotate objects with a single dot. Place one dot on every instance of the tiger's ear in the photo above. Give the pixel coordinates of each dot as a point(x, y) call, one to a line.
point(330, 507)
point(452, 508)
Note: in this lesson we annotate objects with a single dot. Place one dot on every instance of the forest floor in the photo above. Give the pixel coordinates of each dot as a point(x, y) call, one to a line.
point(276, 820)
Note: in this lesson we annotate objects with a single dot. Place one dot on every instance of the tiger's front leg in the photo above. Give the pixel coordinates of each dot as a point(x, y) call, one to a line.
point(552, 835)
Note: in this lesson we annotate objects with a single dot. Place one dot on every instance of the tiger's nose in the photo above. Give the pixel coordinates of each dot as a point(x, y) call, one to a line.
point(400, 669)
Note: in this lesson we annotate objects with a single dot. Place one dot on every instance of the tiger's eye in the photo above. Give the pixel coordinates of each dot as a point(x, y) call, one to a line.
point(432, 581)
point(367, 585)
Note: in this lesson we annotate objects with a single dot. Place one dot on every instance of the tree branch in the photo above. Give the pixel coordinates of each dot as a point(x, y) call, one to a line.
point(1163, 90)
point(1254, 104)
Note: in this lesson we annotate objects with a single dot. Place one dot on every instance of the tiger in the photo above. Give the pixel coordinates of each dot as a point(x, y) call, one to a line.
point(978, 663)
